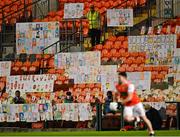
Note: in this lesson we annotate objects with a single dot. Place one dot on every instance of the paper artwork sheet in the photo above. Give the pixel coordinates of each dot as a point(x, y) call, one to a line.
point(159, 48)
point(119, 17)
point(73, 10)
point(5, 68)
point(33, 37)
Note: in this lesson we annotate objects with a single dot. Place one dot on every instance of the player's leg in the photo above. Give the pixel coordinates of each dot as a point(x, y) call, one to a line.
point(148, 123)
point(128, 114)
point(139, 109)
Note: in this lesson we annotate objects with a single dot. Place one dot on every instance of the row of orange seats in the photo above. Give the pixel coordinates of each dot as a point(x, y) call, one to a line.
point(123, 56)
point(157, 72)
point(37, 60)
point(79, 94)
point(113, 48)
point(154, 69)
point(10, 8)
point(4, 3)
point(168, 27)
point(106, 3)
point(114, 42)
point(100, 6)
point(173, 24)
point(2, 83)
point(24, 70)
point(19, 67)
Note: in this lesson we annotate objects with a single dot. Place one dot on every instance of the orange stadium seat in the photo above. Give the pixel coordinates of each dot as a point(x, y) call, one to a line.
point(10, 8)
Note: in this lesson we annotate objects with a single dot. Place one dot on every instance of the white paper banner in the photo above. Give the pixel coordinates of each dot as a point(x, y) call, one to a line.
point(141, 80)
point(73, 111)
point(5, 68)
point(73, 10)
point(30, 83)
point(104, 74)
point(32, 38)
point(159, 48)
point(75, 59)
point(119, 17)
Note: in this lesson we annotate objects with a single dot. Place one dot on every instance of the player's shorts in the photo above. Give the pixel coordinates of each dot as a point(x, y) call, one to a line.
point(135, 110)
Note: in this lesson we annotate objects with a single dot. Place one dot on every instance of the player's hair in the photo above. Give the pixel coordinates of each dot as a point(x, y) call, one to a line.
point(68, 93)
point(124, 74)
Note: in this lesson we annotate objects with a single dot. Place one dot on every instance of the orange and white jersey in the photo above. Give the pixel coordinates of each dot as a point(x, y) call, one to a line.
point(125, 89)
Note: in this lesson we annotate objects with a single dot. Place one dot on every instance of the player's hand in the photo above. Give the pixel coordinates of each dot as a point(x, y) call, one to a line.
point(120, 100)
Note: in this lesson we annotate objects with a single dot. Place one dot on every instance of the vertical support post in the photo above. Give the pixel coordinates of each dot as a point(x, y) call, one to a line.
point(66, 34)
point(25, 11)
point(1, 48)
point(122, 116)
point(172, 9)
point(56, 49)
point(73, 32)
point(178, 115)
point(81, 35)
point(104, 27)
point(3, 30)
point(14, 38)
point(35, 11)
point(49, 6)
point(98, 116)
point(149, 12)
point(42, 70)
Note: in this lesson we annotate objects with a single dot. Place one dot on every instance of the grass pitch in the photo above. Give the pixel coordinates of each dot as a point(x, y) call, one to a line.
point(93, 133)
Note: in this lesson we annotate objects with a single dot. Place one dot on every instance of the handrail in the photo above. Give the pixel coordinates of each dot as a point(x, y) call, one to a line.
point(104, 13)
point(30, 4)
point(62, 50)
point(8, 5)
point(57, 42)
point(51, 45)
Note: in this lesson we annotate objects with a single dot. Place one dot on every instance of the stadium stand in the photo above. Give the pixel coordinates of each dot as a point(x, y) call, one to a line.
point(113, 50)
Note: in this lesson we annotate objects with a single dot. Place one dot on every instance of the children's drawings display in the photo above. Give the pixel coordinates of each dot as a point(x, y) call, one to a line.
point(119, 17)
point(25, 112)
point(45, 112)
point(177, 30)
point(67, 60)
point(176, 60)
point(159, 48)
point(73, 10)
point(141, 80)
point(73, 112)
point(32, 38)
point(30, 83)
point(104, 74)
point(109, 77)
point(5, 68)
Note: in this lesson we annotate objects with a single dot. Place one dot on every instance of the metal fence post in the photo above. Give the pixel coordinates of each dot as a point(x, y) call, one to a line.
point(122, 116)
point(98, 116)
point(178, 115)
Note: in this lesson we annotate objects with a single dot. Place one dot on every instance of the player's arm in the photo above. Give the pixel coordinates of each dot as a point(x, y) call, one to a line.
point(131, 89)
point(129, 98)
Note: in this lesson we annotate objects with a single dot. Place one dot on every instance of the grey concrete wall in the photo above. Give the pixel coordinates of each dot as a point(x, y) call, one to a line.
point(43, 7)
point(161, 6)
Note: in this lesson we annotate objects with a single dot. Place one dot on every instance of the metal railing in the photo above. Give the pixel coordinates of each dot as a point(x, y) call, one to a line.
point(8, 30)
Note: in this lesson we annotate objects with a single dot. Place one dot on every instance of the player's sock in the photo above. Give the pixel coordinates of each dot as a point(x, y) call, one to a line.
point(137, 120)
